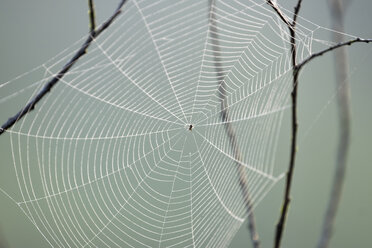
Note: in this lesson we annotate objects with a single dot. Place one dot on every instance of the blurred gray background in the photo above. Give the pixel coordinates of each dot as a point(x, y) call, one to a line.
point(34, 31)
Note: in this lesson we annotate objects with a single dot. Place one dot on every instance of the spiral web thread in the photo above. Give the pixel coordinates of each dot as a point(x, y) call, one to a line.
point(107, 158)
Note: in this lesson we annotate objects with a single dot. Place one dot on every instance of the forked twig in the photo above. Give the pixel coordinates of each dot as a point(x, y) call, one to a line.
point(230, 130)
point(289, 175)
point(94, 33)
point(296, 70)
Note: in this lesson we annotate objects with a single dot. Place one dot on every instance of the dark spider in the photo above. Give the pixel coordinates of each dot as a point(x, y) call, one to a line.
point(190, 127)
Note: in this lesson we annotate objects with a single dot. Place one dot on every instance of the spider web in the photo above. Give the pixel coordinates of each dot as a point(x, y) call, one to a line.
point(107, 158)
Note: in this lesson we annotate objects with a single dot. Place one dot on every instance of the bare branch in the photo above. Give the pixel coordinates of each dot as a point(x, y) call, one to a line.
point(92, 17)
point(286, 200)
point(342, 44)
point(48, 86)
point(230, 130)
point(296, 69)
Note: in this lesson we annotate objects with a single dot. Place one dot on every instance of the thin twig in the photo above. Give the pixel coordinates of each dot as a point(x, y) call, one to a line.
point(48, 86)
point(344, 120)
point(286, 200)
point(296, 69)
point(339, 45)
point(92, 17)
point(343, 85)
point(296, 11)
point(230, 130)
point(279, 12)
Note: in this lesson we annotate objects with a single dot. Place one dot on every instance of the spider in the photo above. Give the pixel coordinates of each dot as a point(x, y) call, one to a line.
point(190, 127)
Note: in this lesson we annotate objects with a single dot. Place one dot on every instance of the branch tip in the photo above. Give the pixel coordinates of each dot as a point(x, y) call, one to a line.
point(92, 17)
point(322, 52)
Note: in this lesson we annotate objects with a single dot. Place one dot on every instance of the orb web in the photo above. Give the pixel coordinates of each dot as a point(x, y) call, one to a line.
point(108, 158)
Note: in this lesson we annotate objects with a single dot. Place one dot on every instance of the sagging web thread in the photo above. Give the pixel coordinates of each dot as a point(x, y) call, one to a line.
point(108, 160)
